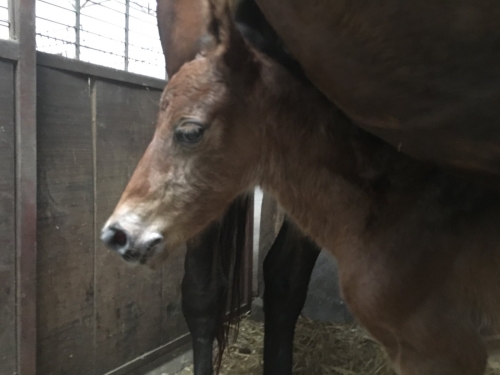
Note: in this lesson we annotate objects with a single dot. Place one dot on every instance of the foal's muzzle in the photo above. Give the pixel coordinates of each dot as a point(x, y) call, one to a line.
point(133, 249)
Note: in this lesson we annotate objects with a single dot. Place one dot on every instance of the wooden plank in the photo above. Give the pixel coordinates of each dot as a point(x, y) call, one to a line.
point(98, 71)
point(9, 49)
point(65, 225)
point(152, 360)
point(8, 363)
point(248, 255)
point(173, 323)
point(128, 299)
point(23, 31)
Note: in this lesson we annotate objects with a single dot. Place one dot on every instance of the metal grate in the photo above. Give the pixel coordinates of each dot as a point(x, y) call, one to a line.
point(4, 19)
point(121, 34)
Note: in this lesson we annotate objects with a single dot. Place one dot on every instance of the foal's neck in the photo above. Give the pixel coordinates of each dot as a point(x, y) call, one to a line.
point(321, 168)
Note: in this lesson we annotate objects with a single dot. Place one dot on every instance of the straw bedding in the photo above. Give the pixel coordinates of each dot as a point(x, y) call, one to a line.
point(320, 349)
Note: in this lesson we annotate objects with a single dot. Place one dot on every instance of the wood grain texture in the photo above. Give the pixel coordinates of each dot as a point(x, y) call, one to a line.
point(128, 300)
point(65, 225)
point(95, 313)
point(8, 362)
point(173, 323)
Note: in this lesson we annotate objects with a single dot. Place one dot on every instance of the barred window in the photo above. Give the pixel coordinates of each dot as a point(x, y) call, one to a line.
point(120, 34)
point(4, 19)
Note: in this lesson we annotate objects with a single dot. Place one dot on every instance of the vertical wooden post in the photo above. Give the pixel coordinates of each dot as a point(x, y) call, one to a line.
point(26, 185)
point(12, 24)
point(127, 30)
point(248, 257)
point(78, 27)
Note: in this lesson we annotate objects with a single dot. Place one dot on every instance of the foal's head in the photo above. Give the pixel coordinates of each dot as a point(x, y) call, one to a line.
point(203, 153)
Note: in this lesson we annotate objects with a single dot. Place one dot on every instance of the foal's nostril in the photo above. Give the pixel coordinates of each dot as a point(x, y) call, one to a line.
point(119, 238)
point(115, 238)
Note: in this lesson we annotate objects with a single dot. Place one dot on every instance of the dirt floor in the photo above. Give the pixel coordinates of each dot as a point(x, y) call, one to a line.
point(320, 349)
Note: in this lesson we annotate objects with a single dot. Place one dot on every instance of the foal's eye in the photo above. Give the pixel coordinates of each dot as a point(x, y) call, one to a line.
point(189, 133)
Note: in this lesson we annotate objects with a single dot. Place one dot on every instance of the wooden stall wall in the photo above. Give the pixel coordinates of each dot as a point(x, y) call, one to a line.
point(8, 360)
point(95, 313)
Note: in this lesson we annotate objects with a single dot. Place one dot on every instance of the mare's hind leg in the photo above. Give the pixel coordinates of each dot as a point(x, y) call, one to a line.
point(287, 271)
point(202, 288)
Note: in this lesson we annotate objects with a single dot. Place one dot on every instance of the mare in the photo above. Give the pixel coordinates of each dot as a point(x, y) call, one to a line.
point(214, 258)
point(417, 245)
point(422, 75)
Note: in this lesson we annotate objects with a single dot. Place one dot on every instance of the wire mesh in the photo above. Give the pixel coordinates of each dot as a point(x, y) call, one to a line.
point(120, 34)
point(4, 19)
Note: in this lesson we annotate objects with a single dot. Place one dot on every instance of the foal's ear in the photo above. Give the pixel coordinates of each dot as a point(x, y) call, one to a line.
point(206, 44)
point(236, 54)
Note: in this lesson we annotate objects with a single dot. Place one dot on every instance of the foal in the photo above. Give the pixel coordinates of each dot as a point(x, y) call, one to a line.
point(418, 248)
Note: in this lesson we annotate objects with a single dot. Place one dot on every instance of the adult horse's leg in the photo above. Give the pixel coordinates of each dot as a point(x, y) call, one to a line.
point(287, 271)
point(202, 290)
point(212, 284)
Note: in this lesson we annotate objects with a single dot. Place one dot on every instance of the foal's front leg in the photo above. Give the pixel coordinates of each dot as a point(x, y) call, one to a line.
point(202, 288)
point(437, 341)
point(287, 271)
point(412, 315)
